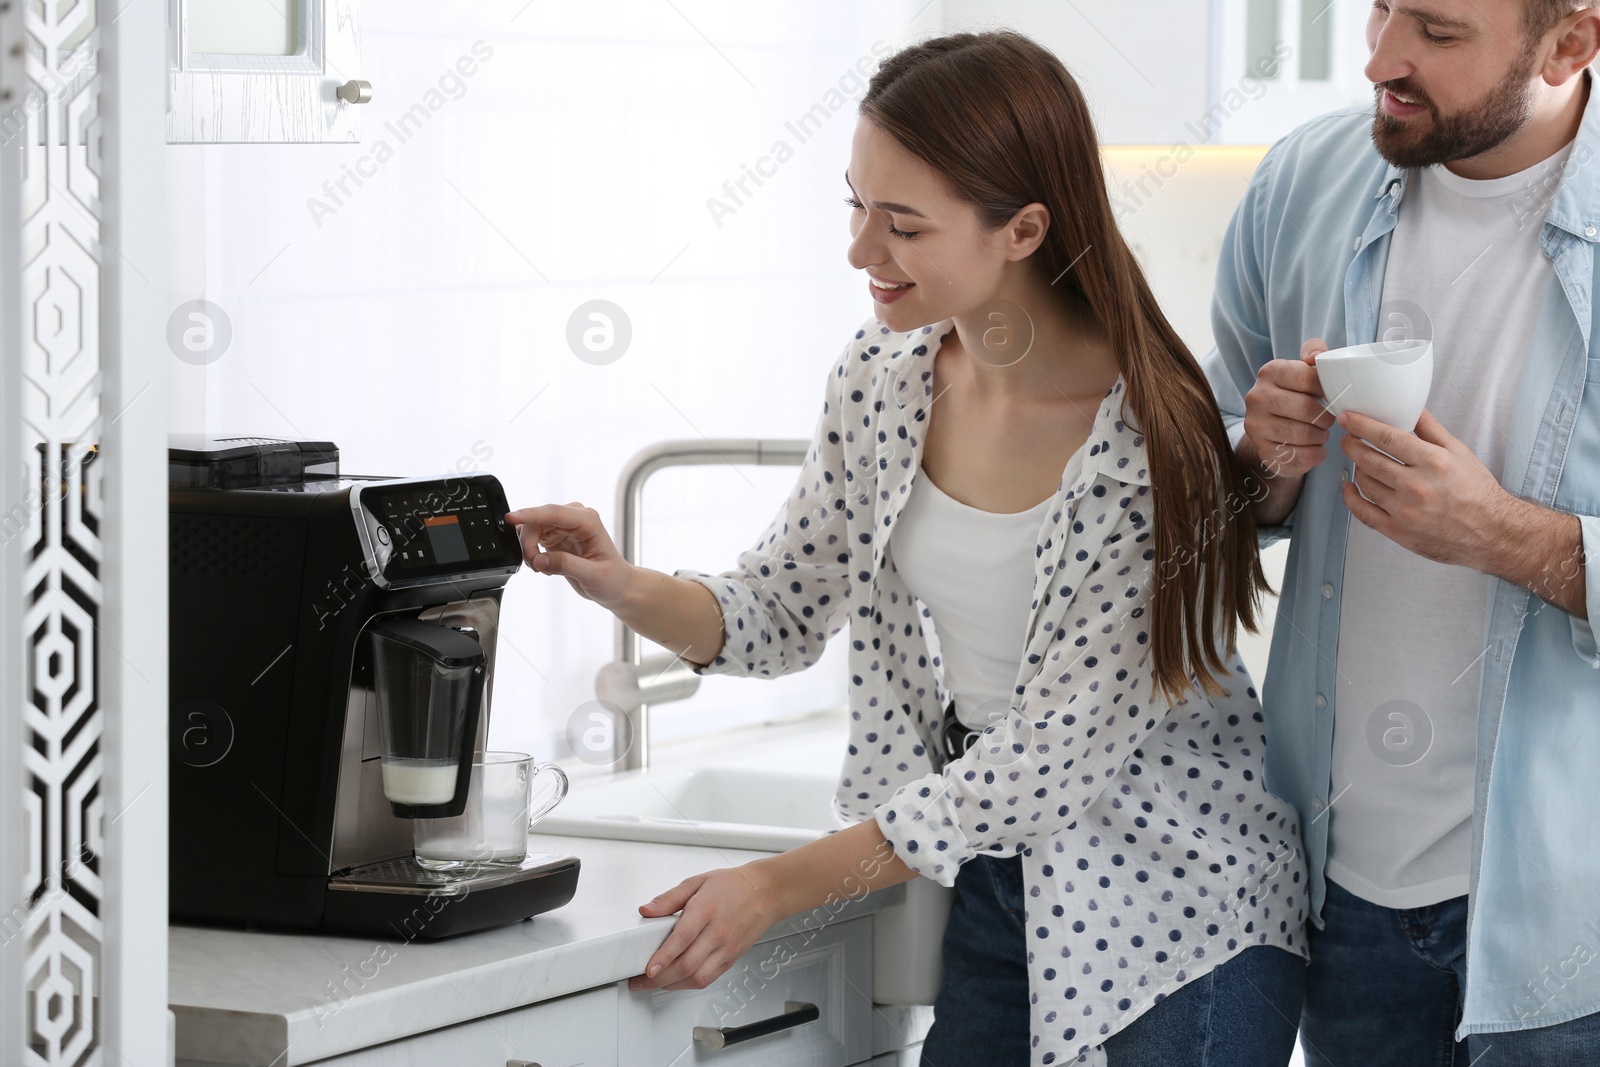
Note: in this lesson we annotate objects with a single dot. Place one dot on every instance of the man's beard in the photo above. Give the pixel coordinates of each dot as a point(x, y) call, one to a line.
point(1469, 133)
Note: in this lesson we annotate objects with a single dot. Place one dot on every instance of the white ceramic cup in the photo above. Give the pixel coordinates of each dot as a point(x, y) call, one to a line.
point(1386, 380)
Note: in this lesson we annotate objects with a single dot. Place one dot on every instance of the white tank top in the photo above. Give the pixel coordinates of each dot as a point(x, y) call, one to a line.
point(973, 570)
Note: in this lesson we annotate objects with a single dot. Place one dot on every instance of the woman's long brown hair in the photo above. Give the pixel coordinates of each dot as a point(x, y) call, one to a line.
point(1005, 124)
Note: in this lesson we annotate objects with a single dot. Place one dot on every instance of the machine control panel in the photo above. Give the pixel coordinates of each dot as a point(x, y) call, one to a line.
point(420, 531)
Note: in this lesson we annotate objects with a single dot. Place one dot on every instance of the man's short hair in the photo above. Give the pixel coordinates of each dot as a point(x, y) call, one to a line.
point(1538, 16)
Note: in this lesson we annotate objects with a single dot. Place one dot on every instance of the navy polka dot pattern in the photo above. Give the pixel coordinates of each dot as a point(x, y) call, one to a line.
point(1151, 850)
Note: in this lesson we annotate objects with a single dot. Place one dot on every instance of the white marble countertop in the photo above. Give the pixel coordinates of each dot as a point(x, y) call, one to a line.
point(245, 997)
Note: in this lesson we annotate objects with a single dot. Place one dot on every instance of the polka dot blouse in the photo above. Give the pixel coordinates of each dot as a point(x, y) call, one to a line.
point(1150, 849)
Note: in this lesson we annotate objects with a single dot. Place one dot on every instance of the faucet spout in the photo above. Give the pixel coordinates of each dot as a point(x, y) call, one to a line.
point(639, 683)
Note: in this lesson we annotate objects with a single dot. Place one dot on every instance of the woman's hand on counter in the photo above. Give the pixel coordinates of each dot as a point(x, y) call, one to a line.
point(724, 913)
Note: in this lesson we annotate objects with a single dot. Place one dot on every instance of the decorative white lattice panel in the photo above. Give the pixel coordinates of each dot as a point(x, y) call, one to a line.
point(62, 420)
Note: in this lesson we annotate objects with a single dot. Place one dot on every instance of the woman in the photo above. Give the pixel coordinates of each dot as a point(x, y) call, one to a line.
point(1024, 427)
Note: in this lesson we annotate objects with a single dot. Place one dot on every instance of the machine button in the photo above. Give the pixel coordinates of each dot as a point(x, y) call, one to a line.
point(383, 535)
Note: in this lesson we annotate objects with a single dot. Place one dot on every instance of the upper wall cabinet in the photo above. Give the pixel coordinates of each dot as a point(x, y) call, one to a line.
point(1278, 63)
point(1182, 73)
point(265, 71)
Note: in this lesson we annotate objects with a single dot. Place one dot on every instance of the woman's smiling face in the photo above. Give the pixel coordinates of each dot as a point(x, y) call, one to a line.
point(908, 230)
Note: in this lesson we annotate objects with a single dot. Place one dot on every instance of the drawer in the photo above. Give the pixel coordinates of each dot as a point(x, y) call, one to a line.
point(830, 968)
point(571, 1030)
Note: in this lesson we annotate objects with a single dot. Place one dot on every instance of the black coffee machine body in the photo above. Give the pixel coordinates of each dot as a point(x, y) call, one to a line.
point(280, 569)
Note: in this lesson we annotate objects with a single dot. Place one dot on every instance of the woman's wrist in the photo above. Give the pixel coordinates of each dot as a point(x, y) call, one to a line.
point(680, 615)
point(775, 885)
point(843, 865)
point(633, 596)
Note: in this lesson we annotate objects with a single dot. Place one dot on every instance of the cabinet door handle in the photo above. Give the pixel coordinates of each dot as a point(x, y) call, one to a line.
point(355, 91)
point(795, 1013)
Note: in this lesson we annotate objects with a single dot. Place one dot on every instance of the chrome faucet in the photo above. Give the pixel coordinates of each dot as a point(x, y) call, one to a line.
point(634, 683)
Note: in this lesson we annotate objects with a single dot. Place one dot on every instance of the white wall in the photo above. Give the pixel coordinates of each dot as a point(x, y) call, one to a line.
point(420, 320)
point(418, 317)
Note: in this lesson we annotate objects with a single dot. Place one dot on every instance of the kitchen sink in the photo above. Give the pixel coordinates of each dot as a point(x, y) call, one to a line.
point(728, 807)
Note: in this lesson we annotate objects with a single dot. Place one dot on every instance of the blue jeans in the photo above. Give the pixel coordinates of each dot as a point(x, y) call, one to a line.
point(1385, 987)
point(1240, 1014)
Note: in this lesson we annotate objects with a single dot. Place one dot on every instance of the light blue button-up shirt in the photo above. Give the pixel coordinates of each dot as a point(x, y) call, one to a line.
point(1304, 257)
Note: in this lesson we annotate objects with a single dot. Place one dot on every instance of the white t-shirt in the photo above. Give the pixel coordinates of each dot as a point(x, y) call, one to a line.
point(973, 570)
point(1465, 268)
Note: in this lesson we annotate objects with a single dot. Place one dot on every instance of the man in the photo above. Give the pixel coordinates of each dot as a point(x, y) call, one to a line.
point(1433, 693)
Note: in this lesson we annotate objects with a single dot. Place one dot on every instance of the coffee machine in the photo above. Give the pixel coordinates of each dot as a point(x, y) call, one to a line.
point(289, 583)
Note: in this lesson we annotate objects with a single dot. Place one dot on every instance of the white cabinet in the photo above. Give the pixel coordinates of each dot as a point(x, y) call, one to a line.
point(1142, 66)
point(565, 1032)
point(265, 71)
point(1169, 72)
point(1278, 63)
point(898, 1027)
point(828, 970)
point(809, 995)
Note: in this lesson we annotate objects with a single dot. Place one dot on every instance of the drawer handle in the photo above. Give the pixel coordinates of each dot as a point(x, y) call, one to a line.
point(795, 1013)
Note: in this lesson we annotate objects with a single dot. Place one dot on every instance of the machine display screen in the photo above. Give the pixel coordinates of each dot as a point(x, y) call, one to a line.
point(443, 527)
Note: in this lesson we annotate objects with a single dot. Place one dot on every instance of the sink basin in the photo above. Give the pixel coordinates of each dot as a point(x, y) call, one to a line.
point(730, 807)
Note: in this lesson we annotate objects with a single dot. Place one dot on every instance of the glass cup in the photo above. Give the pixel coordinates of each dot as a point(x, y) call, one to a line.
point(493, 830)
